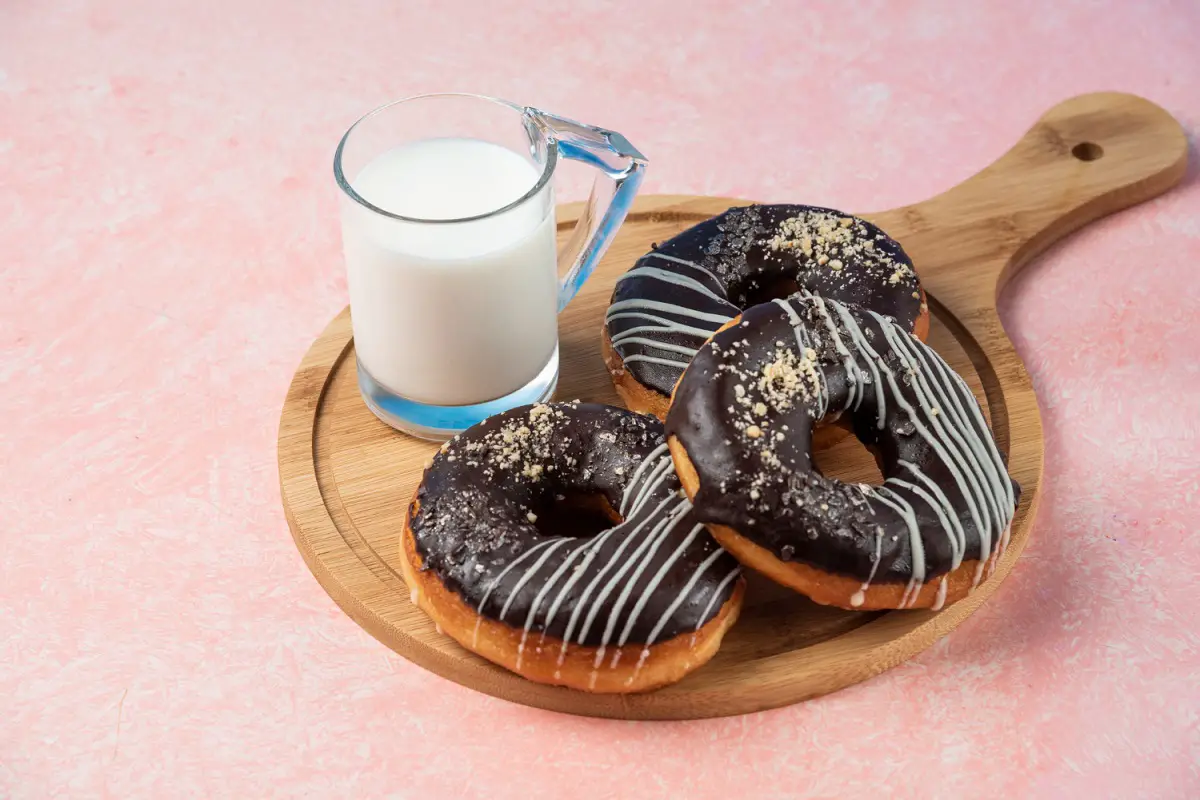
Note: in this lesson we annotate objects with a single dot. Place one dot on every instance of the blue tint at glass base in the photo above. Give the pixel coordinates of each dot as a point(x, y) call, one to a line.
point(441, 422)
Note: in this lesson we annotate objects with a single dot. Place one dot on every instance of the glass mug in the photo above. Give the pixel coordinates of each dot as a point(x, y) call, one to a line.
point(448, 229)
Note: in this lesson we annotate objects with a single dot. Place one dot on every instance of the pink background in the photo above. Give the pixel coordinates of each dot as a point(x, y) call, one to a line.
point(169, 248)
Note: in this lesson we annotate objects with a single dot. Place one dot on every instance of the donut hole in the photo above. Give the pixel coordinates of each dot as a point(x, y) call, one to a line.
point(758, 289)
point(848, 460)
point(577, 515)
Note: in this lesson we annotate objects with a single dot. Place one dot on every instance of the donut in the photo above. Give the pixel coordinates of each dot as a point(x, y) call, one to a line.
point(555, 541)
point(674, 297)
point(740, 430)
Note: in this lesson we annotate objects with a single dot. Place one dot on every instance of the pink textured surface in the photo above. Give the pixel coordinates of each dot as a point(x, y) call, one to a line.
point(170, 247)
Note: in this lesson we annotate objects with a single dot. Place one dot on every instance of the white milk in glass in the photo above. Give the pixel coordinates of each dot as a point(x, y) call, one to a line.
point(457, 313)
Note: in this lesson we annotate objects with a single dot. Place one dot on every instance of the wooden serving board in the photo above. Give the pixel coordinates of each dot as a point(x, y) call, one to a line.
point(346, 478)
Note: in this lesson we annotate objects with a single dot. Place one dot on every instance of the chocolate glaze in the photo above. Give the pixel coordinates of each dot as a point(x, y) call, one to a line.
point(745, 411)
point(652, 577)
point(675, 296)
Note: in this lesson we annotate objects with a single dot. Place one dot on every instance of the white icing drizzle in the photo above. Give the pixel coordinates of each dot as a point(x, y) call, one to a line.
point(615, 612)
point(860, 597)
point(916, 545)
point(616, 657)
point(663, 327)
point(965, 485)
point(684, 262)
point(940, 600)
point(655, 455)
point(669, 325)
point(1001, 550)
point(948, 511)
point(969, 473)
point(654, 582)
point(627, 337)
point(853, 373)
point(638, 667)
point(946, 416)
point(860, 341)
point(805, 344)
point(964, 452)
point(573, 620)
point(673, 278)
point(638, 304)
point(541, 595)
point(679, 598)
point(641, 558)
point(667, 362)
point(957, 548)
point(524, 579)
point(712, 601)
point(989, 456)
point(496, 582)
point(654, 335)
point(597, 543)
point(622, 570)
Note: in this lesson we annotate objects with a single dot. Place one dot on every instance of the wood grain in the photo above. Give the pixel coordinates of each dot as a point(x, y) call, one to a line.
point(346, 477)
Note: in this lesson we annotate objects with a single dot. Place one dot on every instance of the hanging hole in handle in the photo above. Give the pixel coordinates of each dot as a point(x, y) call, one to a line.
point(1087, 151)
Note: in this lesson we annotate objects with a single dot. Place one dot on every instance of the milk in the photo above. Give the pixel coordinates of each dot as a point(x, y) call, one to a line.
point(452, 313)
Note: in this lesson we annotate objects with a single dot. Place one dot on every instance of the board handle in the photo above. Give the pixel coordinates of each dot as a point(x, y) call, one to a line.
point(1086, 157)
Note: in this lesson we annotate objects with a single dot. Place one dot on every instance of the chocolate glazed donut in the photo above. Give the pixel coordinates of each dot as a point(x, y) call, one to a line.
point(740, 429)
point(678, 294)
point(495, 550)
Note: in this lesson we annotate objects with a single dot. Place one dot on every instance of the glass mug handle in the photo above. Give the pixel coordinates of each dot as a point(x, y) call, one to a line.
point(621, 169)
